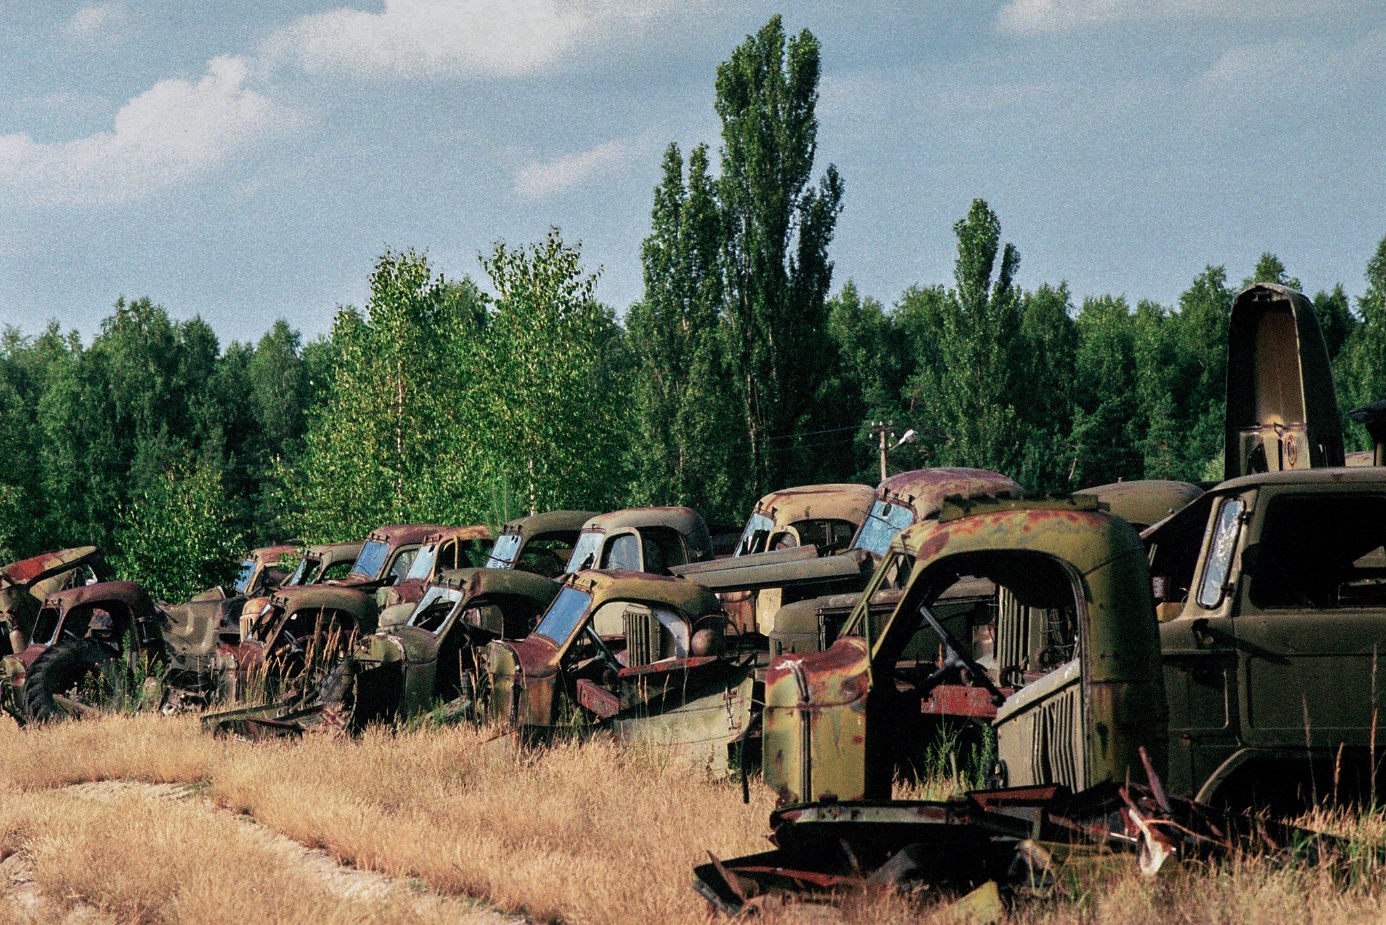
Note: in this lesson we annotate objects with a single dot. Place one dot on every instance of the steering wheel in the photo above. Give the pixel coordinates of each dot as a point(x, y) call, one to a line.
point(604, 653)
point(957, 657)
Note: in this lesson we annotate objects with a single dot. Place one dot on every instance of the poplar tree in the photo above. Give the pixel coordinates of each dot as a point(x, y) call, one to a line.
point(775, 253)
point(969, 392)
point(687, 434)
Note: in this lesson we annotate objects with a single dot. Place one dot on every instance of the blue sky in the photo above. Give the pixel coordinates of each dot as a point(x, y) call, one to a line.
point(249, 161)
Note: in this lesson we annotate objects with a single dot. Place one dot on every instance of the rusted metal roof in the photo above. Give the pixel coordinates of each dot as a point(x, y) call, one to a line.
point(683, 519)
point(693, 600)
point(128, 592)
point(35, 567)
point(270, 555)
point(404, 534)
point(548, 522)
point(335, 597)
point(476, 532)
point(1144, 501)
point(926, 489)
point(842, 501)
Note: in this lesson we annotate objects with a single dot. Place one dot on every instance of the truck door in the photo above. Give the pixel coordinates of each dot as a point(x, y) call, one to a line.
point(1311, 622)
point(1198, 645)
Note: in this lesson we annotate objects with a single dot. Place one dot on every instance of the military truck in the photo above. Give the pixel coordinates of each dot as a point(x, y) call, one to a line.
point(26, 584)
point(77, 632)
point(1261, 606)
point(539, 543)
point(646, 657)
point(641, 539)
point(323, 562)
point(451, 548)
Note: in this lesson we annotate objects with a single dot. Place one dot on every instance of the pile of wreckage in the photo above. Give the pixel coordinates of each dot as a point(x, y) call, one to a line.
point(1158, 663)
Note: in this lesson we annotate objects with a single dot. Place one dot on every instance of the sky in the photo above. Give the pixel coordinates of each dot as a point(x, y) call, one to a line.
point(250, 161)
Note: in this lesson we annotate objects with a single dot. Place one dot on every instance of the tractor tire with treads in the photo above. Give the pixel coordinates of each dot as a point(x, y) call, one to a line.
point(58, 671)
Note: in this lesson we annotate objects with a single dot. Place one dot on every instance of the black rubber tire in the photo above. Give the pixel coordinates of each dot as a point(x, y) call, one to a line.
point(58, 670)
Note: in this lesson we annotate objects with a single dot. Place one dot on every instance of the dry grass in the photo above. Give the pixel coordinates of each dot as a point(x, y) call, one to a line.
point(583, 833)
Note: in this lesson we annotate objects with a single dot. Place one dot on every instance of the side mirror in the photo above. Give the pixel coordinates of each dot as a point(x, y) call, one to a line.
point(1251, 559)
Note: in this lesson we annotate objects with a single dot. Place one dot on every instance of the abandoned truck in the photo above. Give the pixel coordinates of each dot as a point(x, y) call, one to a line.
point(447, 549)
point(430, 661)
point(642, 539)
point(76, 632)
point(811, 595)
point(215, 615)
point(789, 526)
point(26, 584)
point(1238, 643)
point(644, 656)
point(323, 562)
point(297, 637)
point(539, 543)
point(824, 516)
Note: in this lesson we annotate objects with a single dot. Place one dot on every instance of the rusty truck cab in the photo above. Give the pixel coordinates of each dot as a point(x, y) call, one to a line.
point(26, 584)
point(642, 539)
point(825, 516)
point(323, 562)
point(643, 655)
point(539, 543)
point(900, 501)
point(387, 555)
point(1073, 675)
point(453, 548)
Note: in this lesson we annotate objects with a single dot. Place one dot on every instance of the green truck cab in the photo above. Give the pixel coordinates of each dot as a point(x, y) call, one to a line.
point(1073, 675)
point(642, 655)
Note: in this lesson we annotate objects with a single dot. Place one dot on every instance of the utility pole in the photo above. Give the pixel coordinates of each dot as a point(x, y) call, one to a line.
point(881, 429)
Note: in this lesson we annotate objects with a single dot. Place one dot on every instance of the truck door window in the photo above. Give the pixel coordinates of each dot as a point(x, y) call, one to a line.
point(1322, 551)
point(1220, 550)
point(400, 568)
point(622, 552)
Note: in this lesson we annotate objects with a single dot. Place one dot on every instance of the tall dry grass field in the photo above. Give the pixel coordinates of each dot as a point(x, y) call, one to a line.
point(588, 833)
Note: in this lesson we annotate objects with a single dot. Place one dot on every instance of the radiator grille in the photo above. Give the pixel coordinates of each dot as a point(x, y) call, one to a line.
point(642, 637)
point(1057, 742)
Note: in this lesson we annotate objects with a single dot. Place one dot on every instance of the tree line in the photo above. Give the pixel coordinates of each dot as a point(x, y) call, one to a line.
point(739, 371)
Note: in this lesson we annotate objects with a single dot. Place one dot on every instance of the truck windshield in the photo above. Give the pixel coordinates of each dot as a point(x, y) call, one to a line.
point(589, 546)
point(753, 538)
point(435, 607)
point(300, 575)
point(503, 553)
point(423, 563)
point(371, 560)
point(564, 615)
point(243, 576)
point(882, 525)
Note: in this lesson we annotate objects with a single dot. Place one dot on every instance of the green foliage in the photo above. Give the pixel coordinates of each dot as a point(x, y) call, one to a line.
point(554, 391)
point(389, 443)
point(688, 436)
point(178, 536)
point(775, 253)
point(969, 391)
point(1106, 398)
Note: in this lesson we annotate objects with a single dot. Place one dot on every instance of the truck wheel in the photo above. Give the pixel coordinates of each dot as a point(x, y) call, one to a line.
point(59, 672)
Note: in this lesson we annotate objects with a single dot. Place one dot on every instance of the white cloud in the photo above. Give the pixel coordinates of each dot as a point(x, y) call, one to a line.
point(538, 180)
point(173, 132)
point(1030, 16)
point(96, 22)
point(451, 38)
